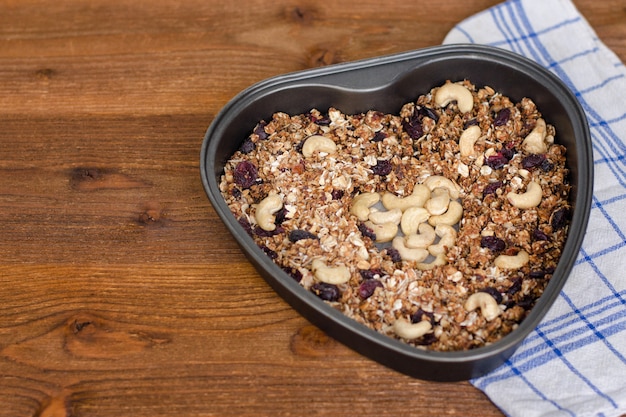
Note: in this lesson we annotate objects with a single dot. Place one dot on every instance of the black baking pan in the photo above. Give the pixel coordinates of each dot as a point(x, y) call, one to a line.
point(385, 84)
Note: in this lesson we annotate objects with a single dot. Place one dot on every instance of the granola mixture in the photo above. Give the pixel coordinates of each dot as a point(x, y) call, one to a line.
point(300, 203)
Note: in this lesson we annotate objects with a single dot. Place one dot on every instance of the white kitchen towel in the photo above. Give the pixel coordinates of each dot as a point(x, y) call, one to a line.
point(574, 363)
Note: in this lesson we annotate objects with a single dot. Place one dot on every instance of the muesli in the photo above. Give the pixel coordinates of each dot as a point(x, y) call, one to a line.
point(439, 226)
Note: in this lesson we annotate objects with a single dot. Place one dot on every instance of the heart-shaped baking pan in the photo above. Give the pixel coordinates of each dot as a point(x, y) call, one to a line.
point(385, 84)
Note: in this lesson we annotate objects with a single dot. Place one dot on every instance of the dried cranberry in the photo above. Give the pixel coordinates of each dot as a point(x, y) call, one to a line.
point(337, 194)
point(296, 235)
point(493, 243)
point(497, 161)
point(502, 117)
point(247, 146)
point(492, 187)
point(259, 130)
point(321, 121)
point(366, 231)
point(559, 218)
point(394, 255)
point(382, 167)
point(533, 160)
point(379, 136)
point(370, 273)
point(245, 174)
point(281, 216)
point(538, 235)
point(327, 292)
point(367, 288)
point(494, 293)
point(413, 126)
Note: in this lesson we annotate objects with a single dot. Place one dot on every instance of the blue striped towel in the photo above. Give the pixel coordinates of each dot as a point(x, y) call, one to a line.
point(574, 363)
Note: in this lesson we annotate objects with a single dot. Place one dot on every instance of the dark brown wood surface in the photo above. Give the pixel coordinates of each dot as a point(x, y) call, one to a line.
point(121, 293)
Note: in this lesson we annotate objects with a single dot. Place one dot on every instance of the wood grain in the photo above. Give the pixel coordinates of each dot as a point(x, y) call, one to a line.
point(121, 293)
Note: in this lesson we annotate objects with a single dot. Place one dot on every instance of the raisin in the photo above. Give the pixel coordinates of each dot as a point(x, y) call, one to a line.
point(493, 243)
point(515, 287)
point(325, 291)
point(366, 231)
point(494, 293)
point(245, 174)
point(269, 252)
point(419, 316)
point(379, 136)
point(243, 222)
point(370, 273)
point(547, 166)
point(427, 112)
point(382, 167)
point(268, 233)
point(296, 235)
point(470, 122)
point(492, 187)
point(247, 146)
point(502, 117)
point(259, 130)
point(281, 216)
point(367, 288)
point(559, 218)
point(394, 255)
point(538, 235)
point(532, 161)
point(427, 339)
point(413, 126)
point(293, 273)
point(337, 194)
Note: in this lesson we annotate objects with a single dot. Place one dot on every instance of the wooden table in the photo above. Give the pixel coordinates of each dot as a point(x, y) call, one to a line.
point(121, 293)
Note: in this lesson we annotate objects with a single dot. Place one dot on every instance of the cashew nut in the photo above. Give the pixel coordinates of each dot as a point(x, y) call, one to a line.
point(384, 232)
point(265, 210)
point(407, 330)
point(488, 305)
point(450, 217)
point(512, 261)
point(423, 239)
point(439, 181)
point(361, 205)
point(455, 92)
point(318, 143)
point(390, 216)
point(438, 261)
point(439, 201)
point(531, 198)
point(447, 236)
point(408, 254)
point(535, 141)
point(330, 275)
point(412, 218)
point(468, 139)
point(418, 197)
